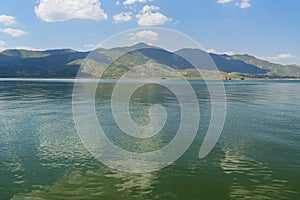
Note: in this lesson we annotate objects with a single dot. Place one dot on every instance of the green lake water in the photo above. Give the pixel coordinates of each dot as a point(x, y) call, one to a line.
point(257, 156)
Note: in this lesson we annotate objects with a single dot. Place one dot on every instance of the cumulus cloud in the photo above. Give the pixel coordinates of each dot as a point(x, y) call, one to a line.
point(244, 4)
point(58, 11)
point(144, 35)
point(224, 1)
point(7, 20)
point(148, 8)
point(130, 2)
point(149, 16)
point(214, 51)
point(123, 17)
point(14, 32)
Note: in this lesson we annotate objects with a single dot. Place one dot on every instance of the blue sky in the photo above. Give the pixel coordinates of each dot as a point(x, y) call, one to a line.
point(267, 29)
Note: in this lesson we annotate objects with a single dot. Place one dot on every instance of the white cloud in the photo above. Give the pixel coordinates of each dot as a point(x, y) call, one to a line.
point(244, 4)
point(240, 3)
point(7, 20)
point(147, 17)
point(63, 10)
point(14, 32)
point(285, 56)
point(214, 51)
point(27, 48)
point(2, 45)
point(224, 1)
point(280, 57)
point(123, 17)
point(89, 46)
point(148, 8)
point(144, 35)
point(130, 2)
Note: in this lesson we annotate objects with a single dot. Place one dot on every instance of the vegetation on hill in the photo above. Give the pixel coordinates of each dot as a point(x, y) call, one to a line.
point(139, 59)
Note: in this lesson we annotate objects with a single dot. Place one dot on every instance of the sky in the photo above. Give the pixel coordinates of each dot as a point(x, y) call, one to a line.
point(267, 29)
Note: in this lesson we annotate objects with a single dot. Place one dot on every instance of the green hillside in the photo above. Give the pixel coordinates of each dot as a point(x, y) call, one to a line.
point(273, 69)
point(66, 63)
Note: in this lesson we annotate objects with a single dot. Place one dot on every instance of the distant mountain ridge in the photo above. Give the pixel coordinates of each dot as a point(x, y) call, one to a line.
point(65, 63)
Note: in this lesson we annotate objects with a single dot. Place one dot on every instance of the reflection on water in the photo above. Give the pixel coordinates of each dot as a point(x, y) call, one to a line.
point(95, 184)
point(257, 156)
point(253, 179)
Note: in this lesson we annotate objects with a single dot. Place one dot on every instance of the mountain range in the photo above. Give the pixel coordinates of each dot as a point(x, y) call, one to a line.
point(66, 63)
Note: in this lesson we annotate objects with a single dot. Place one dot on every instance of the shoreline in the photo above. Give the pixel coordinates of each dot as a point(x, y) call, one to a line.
point(134, 79)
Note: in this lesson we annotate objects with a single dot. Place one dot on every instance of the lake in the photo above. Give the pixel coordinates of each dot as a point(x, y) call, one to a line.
point(256, 157)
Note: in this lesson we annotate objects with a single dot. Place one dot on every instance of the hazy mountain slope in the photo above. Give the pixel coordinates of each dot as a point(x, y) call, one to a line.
point(53, 63)
point(67, 62)
point(274, 69)
point(224, 63)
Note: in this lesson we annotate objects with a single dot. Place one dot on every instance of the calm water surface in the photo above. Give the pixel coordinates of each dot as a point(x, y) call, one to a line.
point(257, 156)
